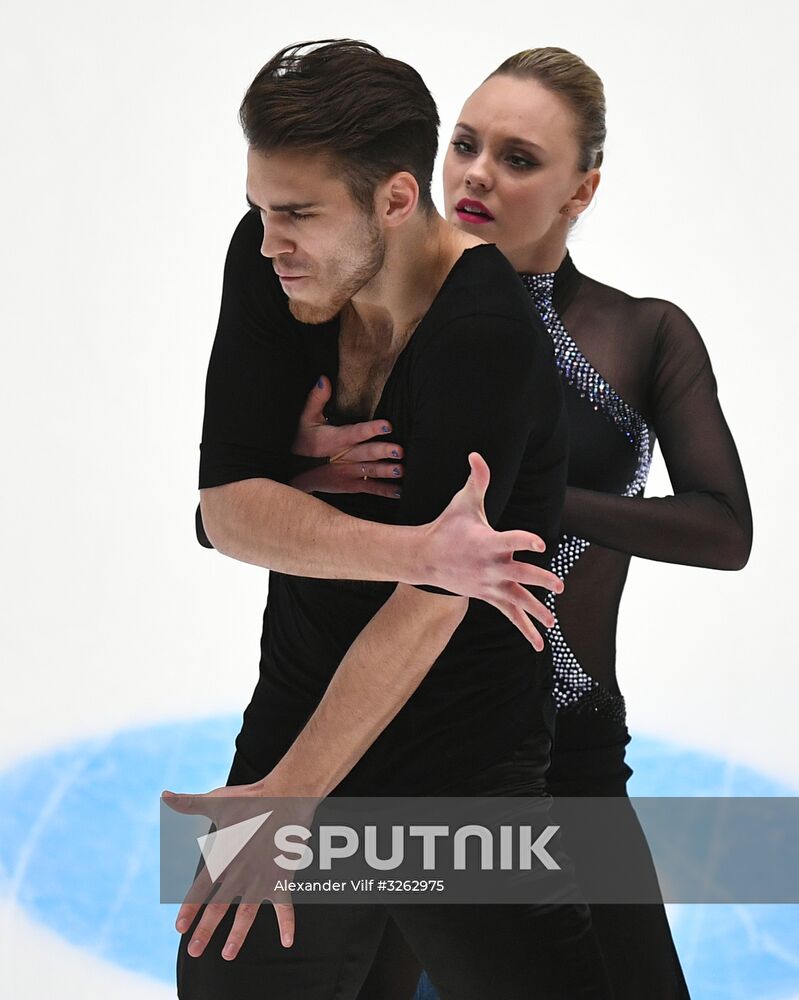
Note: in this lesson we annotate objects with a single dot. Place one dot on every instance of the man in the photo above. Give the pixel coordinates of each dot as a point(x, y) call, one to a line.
point(432, 329)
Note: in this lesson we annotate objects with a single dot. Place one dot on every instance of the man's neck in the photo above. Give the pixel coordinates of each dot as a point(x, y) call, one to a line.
point(419, 256)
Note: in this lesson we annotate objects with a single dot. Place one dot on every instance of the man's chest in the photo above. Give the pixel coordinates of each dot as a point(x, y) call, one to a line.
point(360, 382)
point(366, 361)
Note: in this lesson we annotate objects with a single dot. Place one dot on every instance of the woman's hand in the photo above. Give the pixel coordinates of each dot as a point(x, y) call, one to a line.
point(356, 464)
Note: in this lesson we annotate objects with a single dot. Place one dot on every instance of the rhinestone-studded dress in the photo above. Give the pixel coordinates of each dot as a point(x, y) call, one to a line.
point(574, 688)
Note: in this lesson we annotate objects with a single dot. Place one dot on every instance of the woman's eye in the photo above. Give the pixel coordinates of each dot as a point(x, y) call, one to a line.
point(299, 216)
point(461, 146)
point(520, 161)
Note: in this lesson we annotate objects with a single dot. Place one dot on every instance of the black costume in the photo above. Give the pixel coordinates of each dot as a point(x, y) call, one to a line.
point(477, 375)
point(632, 369)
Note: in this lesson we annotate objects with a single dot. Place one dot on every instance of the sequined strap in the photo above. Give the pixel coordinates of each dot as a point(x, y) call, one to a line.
point(575, 690)
point(579, 373)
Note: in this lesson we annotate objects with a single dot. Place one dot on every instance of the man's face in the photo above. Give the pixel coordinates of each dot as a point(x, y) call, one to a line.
point(322, 244)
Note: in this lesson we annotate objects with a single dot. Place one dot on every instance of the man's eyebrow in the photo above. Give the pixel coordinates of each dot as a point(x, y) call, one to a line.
point(511, 140)
point(289, 206)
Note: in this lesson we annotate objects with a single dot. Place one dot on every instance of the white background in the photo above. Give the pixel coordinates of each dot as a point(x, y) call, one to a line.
point(122, 179)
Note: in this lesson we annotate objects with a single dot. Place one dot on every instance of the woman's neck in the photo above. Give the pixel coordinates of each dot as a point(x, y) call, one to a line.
point(542, 257)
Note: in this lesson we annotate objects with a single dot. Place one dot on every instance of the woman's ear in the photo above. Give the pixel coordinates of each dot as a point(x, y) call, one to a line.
point(584, 194)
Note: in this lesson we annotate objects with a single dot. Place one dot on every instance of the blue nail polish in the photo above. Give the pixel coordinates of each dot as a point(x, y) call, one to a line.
point(320, 384)
point(394, 453)
point(384, 429)
point(397, 493)
point(395, 472)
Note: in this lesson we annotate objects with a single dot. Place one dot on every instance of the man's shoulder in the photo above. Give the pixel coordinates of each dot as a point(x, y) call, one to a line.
point(483, 283)
point(484, 294)
point(251, 279)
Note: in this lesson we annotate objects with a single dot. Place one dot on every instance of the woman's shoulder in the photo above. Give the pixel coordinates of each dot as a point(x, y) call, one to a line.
point(660, 319)
point(606, 296)
point(650, 328)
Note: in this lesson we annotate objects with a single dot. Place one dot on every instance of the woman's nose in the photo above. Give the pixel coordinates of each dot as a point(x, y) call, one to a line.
point(478, 177)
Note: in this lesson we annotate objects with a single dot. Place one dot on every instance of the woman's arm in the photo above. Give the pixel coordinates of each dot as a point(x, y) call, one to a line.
point(708, 520)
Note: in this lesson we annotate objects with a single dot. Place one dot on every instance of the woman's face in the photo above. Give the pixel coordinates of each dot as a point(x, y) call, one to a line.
point(511, 171)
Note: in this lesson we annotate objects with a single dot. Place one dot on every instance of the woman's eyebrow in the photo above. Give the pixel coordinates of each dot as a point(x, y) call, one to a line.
point(513, 140)
point(517, 140)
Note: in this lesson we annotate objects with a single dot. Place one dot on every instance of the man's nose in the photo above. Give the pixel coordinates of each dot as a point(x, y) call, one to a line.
point(275, 242)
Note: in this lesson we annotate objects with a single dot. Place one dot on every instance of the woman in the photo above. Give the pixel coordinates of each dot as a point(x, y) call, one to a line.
point(633, 370)
point(522, 165)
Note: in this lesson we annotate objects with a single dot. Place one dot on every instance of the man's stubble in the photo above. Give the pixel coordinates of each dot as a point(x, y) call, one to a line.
point(358, 262)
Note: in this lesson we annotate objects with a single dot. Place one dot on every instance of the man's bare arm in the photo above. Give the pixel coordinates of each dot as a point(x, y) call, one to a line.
point(268, 524)
point(381, 670)
point(379, 673)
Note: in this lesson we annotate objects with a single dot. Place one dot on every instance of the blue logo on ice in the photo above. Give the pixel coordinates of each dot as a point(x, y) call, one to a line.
point(79, 849)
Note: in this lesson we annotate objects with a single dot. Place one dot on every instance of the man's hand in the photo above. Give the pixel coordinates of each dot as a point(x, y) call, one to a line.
point(251, 875)
point(356, 463)
point(270, 524)
point(464, 554)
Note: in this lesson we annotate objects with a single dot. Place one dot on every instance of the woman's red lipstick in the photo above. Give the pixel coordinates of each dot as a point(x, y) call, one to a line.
point(469, 210)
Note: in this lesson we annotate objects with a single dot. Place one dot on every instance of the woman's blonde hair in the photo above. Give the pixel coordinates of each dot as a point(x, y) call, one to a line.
point(581, 88)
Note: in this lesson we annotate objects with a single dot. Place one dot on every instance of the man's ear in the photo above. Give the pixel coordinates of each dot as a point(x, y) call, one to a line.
point(396, 198)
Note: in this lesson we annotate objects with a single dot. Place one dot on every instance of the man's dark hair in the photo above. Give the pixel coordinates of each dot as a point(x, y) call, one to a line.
point(373, 116)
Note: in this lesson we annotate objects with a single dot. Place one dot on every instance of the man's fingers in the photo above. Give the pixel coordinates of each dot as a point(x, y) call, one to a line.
point(209, 922)
point(205, 804)
point(524, 625)
point(181, 803)
point(480, 476)
point(522, 541)
point(538, 610)
point(530, 604)
point(186, 915)
point(243, 921)
point(285, 922)
point(534, 576)
point(201, 889)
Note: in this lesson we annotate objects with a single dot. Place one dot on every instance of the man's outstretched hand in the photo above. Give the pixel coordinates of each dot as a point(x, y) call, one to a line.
point(251, 875)
point(461, 551)
point(464, 554)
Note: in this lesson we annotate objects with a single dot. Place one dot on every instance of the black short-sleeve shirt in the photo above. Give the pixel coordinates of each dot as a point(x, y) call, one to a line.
point(477, 375)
